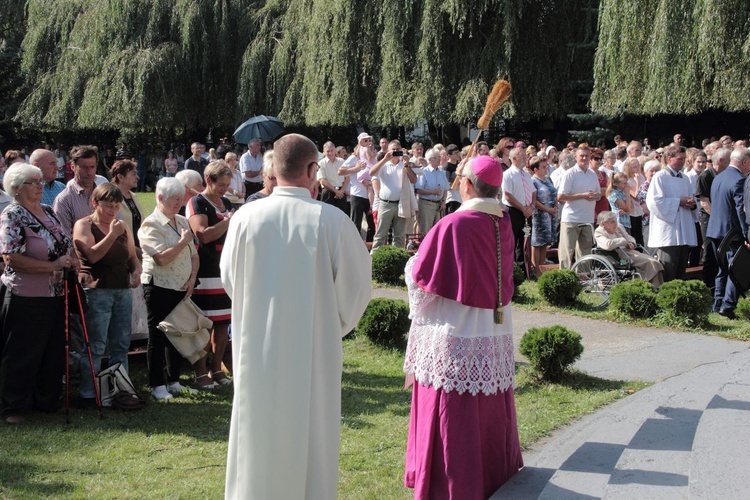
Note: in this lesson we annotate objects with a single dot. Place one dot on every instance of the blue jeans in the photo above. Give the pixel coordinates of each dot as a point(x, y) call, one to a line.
point(109, 325)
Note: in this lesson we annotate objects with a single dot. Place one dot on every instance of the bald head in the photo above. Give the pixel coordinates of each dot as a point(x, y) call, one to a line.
point(293, 157)
point(46, 161)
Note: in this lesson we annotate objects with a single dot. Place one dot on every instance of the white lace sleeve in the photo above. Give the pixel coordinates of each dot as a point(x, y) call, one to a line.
point(457, 347)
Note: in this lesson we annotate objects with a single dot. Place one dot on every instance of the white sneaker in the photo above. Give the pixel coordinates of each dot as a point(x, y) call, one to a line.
point(161, 393)
point(176, 388)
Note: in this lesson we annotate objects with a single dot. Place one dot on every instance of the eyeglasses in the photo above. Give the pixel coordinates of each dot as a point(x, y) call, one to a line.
point(597, 158)
point(36, 183)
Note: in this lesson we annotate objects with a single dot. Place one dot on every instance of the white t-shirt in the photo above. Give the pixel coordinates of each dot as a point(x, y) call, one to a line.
point(576, 181)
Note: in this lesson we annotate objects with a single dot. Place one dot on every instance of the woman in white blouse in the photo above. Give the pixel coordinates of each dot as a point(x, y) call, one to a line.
point(170, 268)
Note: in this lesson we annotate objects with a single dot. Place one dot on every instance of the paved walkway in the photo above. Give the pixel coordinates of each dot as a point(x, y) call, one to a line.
point(687, 436)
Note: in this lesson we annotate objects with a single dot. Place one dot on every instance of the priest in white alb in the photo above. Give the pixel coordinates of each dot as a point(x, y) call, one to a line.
point(299, 278)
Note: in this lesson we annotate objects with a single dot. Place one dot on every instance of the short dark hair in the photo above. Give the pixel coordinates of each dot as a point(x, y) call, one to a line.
point(673, 150)
point(79, 152)
point(121, 167)
point(451, 148)
point(108, 192)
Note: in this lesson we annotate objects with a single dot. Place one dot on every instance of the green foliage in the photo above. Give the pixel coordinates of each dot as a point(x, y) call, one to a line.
point(711, 32)
point(388, 264)
point(635, 298)
point(743, 308)
point(551, 350)
point(684, 303)
point(559, 287)
point(518, 275)
point(386, 322)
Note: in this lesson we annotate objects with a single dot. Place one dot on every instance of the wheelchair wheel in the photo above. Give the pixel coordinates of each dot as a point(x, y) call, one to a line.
point(597, 276)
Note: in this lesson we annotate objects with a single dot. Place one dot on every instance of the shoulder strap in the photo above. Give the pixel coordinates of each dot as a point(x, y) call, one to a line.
point(721, 252)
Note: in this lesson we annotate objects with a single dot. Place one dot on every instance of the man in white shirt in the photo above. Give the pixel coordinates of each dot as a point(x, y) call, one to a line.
point(300, 278)
point(391, 171)
point(671, 201)
point(431, 187)
point(579, 190)
point(333, 186)
point(251, 166)
point(519, 195)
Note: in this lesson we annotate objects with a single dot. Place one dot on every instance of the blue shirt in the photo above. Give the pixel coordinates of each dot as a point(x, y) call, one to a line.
point(51, 190)
point(432, 178)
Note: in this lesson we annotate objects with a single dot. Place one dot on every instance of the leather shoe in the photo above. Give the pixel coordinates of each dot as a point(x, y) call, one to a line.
point(14, 420)
point(728, 313)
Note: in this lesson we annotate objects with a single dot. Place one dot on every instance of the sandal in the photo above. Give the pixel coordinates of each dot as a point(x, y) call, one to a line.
point(203, 386)
point(221, 378)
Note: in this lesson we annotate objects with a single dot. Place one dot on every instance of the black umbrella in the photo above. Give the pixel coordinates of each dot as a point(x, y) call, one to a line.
point(265, 128)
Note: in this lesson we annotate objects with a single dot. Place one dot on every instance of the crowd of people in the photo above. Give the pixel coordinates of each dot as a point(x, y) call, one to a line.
point(246, 263)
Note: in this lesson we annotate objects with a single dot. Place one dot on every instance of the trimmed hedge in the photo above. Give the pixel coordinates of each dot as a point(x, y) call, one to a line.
point(551, 350)
point(743, 308)
point(386, 322)
point(636, 298)
point(559, 287)
point(684, 303)
point(388, 264)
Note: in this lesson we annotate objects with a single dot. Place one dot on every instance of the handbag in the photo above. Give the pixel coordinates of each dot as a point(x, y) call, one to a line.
point(738, 269)
point(117, 390)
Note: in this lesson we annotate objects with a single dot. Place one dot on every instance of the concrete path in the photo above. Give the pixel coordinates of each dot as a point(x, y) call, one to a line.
point(687, 436)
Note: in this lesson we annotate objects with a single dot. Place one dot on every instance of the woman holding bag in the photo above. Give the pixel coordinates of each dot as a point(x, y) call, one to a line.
point(170, 268)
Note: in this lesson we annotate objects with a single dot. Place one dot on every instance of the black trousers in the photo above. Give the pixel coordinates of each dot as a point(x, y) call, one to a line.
point(517, 223)
point(252, 187)
point(708, 255)
point(329, 197)
point(160, 351)
point(33, 355)
point(360, 209)
point(636, 229)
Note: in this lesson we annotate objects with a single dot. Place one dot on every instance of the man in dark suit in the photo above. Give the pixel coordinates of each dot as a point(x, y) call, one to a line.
point(727, 213)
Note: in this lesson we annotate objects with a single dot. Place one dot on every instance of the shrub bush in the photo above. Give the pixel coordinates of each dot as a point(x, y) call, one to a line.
point(388, 264)
point(636, 298)
point(743, 308)
point(684, 303)
point(551, 350)
point(518, 275)
point(386, 322)
point(559, 287)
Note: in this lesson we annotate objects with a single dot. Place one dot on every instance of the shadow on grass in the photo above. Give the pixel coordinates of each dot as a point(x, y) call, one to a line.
point(366, 394)
point(19, 478)
point(575, 380)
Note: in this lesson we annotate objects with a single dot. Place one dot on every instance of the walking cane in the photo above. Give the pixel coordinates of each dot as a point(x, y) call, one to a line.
point(67, 354)
point(86, 342)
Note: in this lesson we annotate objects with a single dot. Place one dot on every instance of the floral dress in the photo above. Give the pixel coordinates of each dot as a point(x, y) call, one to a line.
point(619, 194)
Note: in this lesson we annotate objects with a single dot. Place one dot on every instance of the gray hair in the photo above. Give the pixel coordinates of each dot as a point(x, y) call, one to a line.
point(254, 141)
point(170, 187)
point(567, 161)
point(189, 178)
point(268, 163)
point(610, 154)
point(606, 216)
point(432, 153)
point(632, 146)
point(738, 155)
point(17, 174)
point(652, 165)
point(721, 154)
point(483, 189)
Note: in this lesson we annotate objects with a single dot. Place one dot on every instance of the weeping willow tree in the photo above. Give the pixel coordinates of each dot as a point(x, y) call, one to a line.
point(157, 64)
point(132, 64)
point(672, 57)
point(338, 62)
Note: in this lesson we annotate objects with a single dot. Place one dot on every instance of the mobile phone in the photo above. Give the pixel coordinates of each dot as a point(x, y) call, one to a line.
point(398, 153)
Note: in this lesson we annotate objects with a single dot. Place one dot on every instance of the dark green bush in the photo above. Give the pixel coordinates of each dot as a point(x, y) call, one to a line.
point(559, 287)
point(386, 322)
point(518, 275)
point(743, 308)
point(388, 264)
point(684, 303)
point(551, 350)
point(636, 298)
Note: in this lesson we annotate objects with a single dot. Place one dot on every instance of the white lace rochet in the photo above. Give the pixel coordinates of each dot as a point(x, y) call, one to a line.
point(456, 347)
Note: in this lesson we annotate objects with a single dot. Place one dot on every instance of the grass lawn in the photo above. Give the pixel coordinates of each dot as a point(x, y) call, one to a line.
point(529, 299)
point(178, 449)
point(148, 202)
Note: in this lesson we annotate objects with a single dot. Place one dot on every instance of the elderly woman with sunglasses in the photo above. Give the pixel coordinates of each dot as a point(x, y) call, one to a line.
point(37, 251)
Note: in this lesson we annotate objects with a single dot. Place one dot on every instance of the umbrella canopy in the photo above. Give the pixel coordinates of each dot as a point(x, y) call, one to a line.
point(265, 128)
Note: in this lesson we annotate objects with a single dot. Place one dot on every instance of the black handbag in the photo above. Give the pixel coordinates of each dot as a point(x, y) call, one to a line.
point(738, 269)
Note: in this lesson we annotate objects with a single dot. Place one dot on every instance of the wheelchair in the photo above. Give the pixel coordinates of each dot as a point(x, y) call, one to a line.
point(600, 271)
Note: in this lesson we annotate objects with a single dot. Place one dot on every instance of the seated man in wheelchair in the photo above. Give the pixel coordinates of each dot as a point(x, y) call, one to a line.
point(612, 236)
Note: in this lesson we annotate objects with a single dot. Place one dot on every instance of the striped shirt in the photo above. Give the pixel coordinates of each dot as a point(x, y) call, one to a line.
point(71, 204)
